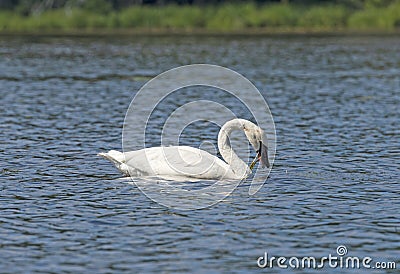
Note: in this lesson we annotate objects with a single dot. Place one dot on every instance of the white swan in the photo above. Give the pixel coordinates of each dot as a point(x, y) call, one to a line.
point(185, 161)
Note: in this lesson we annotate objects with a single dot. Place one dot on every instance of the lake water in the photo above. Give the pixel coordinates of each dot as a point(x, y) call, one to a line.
point(335, 181)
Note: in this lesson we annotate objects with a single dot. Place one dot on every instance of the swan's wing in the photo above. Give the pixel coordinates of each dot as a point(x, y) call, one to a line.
point(177, 161)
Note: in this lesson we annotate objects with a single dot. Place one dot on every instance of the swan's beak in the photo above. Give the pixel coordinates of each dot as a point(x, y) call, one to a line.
point(262, 156)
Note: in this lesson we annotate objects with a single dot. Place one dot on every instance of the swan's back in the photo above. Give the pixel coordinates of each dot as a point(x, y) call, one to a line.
point(178, 161)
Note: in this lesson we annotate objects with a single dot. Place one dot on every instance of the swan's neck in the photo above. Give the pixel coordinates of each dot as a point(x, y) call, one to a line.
point(238, 166)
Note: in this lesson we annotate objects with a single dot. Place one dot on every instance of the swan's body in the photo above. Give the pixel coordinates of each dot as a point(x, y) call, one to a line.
point(185, 161)
point(170, 161)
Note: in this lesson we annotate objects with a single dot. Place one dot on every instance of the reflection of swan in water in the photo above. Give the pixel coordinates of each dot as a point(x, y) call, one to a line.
point(185, 161)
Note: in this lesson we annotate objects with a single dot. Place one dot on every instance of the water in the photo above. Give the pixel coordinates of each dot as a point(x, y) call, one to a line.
point(335, 180)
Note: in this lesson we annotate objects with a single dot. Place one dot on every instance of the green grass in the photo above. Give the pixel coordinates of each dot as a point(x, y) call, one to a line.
point(331, 17)
point(376, 18)
point(277, 15)
point(230, 17)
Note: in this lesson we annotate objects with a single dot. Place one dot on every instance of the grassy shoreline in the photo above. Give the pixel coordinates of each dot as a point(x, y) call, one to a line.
point(200, 32)
point(241, 19)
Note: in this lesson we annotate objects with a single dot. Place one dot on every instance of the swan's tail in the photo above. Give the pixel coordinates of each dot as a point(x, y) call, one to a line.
point(118, 158)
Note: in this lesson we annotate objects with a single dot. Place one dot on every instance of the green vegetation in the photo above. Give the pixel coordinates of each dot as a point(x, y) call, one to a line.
point(98, 15)
point(385, 18)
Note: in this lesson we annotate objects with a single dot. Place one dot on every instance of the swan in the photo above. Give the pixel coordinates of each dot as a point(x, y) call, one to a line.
point(186, 161)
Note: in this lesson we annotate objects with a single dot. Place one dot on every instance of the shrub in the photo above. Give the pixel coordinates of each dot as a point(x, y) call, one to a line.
point(324, 17)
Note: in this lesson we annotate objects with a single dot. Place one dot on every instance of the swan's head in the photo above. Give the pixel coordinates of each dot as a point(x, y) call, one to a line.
point(258, 140)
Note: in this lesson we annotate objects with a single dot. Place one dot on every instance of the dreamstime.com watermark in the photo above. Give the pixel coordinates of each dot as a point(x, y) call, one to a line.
point(152, 96)
point(338, 260)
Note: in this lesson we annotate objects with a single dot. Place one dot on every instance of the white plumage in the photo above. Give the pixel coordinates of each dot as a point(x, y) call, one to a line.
point(185, 161)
